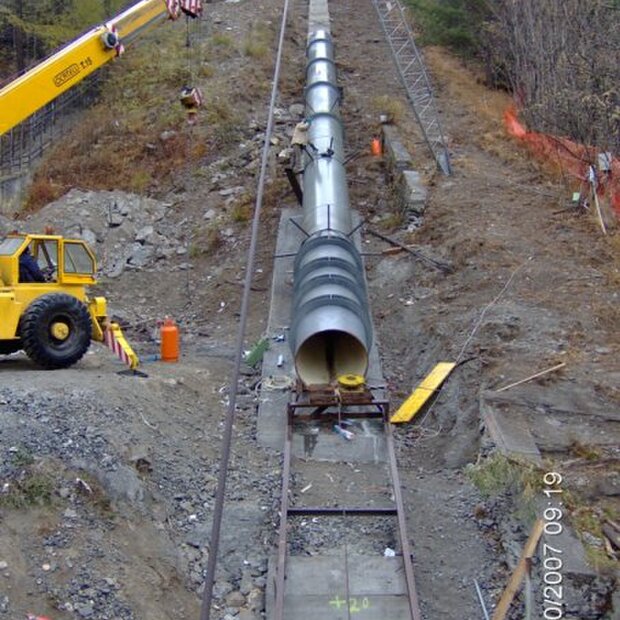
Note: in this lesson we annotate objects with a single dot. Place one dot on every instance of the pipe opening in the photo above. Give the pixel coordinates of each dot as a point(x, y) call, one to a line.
point(329, 354)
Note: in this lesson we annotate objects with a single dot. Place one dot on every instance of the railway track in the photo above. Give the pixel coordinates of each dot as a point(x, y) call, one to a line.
point(370, 585)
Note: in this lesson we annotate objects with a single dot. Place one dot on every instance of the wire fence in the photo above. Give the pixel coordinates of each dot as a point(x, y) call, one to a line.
point(23, 146)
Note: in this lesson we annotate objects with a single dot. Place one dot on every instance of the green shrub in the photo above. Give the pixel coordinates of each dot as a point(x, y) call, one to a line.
point(456, 24)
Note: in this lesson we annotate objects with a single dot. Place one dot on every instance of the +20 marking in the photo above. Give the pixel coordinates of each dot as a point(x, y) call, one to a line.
point(355, 604)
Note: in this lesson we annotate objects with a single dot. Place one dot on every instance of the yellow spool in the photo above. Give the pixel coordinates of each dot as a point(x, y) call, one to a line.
point(350, 382)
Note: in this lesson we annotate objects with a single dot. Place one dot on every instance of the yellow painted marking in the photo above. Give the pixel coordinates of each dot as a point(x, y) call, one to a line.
point(355, 604)
point(423, 392)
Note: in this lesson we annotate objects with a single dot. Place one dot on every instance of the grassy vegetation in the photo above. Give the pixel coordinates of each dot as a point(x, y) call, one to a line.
point(43, 25)
point(588, 519)
point(32, 485)
point(498, 474)
point(257, 44)
point(137, 138)
point(94, 495)
point(205, 241)
point(586, 451)
point(222, 39)
point(242, 208)
point(455, 24)
point(393, 108)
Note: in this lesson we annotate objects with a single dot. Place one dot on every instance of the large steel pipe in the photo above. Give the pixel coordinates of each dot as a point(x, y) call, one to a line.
point(331, 332)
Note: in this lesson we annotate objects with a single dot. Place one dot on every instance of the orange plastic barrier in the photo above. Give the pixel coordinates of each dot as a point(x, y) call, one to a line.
point(568, 156)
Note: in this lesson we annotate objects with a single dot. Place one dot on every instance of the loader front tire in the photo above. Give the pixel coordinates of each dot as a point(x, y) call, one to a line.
point(56, 330)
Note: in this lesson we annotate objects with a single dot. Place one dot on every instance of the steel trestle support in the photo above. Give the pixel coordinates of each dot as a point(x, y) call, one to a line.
point(414, 77)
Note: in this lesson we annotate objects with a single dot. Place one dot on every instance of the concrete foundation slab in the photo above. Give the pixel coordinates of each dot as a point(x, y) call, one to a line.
point(510, 431)
point(318, 16)
point(367, 445)
point(316, 588)
point(276, 381)
point(414, 191)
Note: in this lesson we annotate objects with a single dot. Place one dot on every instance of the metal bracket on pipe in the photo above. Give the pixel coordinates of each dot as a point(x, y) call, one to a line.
point(299, 226)
point(292, 179)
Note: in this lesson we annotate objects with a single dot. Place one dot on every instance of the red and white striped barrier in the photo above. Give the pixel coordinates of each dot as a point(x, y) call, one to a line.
point(113, 338)
point(191, 8)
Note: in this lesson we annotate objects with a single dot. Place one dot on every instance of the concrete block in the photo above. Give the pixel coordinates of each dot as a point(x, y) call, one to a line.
point(510, 432)
point(399, 156)
point(414, 192)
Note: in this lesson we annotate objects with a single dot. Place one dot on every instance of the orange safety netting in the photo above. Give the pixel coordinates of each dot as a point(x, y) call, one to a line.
point(568, 156)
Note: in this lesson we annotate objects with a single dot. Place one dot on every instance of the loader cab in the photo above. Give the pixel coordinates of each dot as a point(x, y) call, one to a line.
point(63, 261)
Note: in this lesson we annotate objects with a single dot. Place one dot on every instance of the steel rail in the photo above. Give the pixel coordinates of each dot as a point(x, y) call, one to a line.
point(397, 510)
point(284, 512)
point(414, 605)
point(205, 611)
point(317, 511)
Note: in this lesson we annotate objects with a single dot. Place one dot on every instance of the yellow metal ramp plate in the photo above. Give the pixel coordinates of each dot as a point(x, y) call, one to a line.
point(423, 392)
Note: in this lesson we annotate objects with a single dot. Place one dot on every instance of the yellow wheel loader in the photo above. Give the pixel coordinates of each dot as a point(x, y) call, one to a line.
point(53, 320)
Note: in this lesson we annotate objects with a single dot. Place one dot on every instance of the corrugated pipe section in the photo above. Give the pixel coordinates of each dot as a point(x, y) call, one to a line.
point(331, 332)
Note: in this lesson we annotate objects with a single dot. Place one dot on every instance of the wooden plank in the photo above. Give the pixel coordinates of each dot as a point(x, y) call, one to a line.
point(423, 392)
point(534, 376)
point(519, 572)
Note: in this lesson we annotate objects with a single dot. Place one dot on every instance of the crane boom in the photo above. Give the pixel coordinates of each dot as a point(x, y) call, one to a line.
point(50, 78)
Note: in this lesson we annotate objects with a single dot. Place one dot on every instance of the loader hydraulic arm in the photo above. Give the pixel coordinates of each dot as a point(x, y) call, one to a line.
point(50, 78)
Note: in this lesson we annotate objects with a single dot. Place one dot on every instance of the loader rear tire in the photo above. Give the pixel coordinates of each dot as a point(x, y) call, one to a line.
point(56, 330)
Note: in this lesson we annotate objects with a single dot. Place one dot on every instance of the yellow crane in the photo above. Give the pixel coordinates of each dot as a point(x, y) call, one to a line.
point(70, 65)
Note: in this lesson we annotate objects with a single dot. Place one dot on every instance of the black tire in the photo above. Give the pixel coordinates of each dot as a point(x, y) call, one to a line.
point(38, 340)
point(10, 346)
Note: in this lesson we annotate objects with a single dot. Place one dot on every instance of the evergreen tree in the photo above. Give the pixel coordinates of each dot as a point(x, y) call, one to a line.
point(32, 29)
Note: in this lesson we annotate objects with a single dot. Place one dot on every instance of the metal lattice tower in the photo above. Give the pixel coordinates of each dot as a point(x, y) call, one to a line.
point(414, 77)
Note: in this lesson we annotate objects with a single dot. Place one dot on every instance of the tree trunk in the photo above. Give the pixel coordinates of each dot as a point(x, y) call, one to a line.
point(19, 39)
